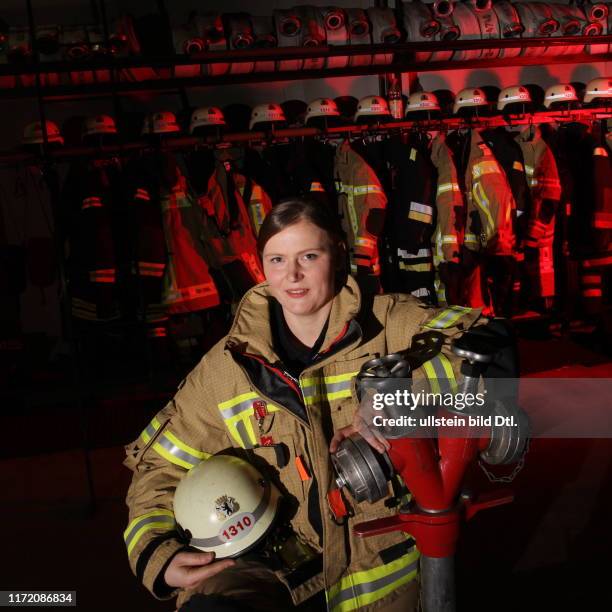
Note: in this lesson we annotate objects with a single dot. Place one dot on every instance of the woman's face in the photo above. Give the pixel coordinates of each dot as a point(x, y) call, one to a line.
point(299, 266)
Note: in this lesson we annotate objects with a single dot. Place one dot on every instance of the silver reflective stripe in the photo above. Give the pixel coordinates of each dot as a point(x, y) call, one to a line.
point(244, 435)
point(448, 317)
point(238, 408)
point(157, 518)
point(257, 514)
point(339, 386)
point(441, 374)
point(175, 451)
point(421, 253)
point(428, 210)
point(364, 588)
point(150, 430)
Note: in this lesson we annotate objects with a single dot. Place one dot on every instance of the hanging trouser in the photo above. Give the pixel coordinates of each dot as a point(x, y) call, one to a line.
point(498, 275)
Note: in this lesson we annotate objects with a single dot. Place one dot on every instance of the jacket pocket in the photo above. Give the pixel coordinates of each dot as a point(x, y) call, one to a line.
point(149, 435)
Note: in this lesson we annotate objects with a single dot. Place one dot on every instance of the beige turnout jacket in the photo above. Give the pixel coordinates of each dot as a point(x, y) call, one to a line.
point(213, 411)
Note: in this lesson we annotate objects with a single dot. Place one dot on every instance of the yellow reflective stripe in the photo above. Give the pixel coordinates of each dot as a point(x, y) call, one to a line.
point(601, 151)
point(175, 451)
point(449, 239)
point(336, 387)
point(445, 187)
point(236, 414)
point(365, 242)
point(439, 369)
point(483, 202)
point(364, 189)
point(431, 377)
point(471, 238)
point(419, 216)
point(529, 170)
point(419, 267)
point(352, 213)
point(157, 519)
point(148, 432)
point(485, 167)
point(448, 317)
point(363, 588)
point(316, 186)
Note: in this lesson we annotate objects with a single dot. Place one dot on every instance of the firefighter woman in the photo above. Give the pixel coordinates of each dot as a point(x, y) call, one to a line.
point(278, 392)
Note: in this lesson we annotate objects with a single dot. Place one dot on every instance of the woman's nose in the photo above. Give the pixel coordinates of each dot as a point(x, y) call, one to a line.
point(294, 272)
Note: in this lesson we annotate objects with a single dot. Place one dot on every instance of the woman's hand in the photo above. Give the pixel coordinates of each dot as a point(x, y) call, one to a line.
point(362, 424)
point(188, 569)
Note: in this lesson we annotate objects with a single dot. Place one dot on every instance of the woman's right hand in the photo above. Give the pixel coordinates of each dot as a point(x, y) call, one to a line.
point(362, 425)
point(188, 569)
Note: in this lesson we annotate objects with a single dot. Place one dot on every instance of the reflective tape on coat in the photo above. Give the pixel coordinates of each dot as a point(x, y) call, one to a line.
point(368, 586)
point(155, 520)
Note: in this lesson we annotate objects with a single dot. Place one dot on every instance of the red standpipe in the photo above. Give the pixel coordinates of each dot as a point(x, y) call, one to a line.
point(434, 474)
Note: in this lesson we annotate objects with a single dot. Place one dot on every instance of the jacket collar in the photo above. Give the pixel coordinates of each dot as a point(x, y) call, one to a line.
point(479, 148)
point(251, 331)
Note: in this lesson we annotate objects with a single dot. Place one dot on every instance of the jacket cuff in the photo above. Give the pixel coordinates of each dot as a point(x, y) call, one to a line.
point(158, 560)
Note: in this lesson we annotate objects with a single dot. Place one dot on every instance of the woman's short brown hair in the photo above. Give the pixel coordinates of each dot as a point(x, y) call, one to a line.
point(289, 212)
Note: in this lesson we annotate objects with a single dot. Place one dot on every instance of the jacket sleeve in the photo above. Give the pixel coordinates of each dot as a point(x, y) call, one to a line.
point(449, 203)
point(546, 194)
point(181, 435)
point(367, 203)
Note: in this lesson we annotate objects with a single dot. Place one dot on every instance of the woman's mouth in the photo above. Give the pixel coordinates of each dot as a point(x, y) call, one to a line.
point(296, 293)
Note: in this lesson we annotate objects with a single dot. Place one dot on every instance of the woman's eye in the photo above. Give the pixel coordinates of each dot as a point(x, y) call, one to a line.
point(310, 256)
point(275, 260)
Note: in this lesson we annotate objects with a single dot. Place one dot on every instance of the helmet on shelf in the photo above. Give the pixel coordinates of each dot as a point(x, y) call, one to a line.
point(99, 124)
point(515, 94)
point(266, 113)
point(163, 122)
point(471, 97)
point(206, 116)
point(321, 107)
point(558, 94)
point(598, 89)
point(372, 106)
point(422, 101)
point(33, 133)
point(224, 505)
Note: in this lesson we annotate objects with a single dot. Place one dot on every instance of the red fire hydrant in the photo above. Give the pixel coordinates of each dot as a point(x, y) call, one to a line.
point(432, 463)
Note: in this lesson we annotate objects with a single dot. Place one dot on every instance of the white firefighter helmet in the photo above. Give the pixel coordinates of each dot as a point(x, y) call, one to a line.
point(563, 92)
point(33, 133)
point(470, 97)
point(206, 116)
point(422, 101)
point(163, 122)
point(266, 113)
point(224, 505)
point(321, 107)
point(515, 94)
point(600, 88)
point(372, 106)
point(99, 124)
